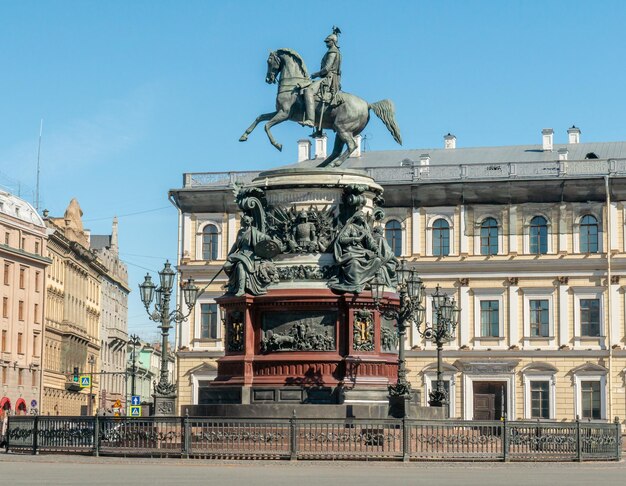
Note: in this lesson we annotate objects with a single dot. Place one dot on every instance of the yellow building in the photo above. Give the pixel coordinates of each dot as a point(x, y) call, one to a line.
point(529, 240)
point(72, 318)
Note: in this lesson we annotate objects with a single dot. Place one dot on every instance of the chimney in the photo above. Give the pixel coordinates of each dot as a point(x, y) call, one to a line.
point(425, 159)
point(357, 150)
point(449, 141)
point(548, 139)
point(320, 147)
point(304, 149)
point(563, 154)
point(114, 236)
point(573, 135)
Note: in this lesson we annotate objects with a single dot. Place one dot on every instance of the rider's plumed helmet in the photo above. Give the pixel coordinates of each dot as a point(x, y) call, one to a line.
point(331, 37)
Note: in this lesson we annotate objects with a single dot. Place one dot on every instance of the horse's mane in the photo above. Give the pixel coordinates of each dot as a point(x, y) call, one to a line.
point(297, 58)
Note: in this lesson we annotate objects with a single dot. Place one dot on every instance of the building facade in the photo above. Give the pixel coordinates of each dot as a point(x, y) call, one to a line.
point(529, 240)
point(72, 318)
point(23, 246)
point(114, 292)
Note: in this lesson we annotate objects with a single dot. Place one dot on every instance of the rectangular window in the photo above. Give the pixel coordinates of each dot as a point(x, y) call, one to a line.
point(20, 377)
point(19, 343)
point(33, 379)
point(37, 247)
point(540, 399)
point(37, 277)
point(539, 318)
point(4, 341)
point(590, 317)
point(490, 318)
point(5, 307)
point(22, 278)
point(36, 314)
point(7, 272)
point(591, 399)
point(208, 321)
point(20, 310)
point(23, 244)
point(7, 238)
point(35, 345)
point(4, 375)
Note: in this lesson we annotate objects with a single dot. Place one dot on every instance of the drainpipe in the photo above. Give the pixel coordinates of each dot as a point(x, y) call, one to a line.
point(609, 380)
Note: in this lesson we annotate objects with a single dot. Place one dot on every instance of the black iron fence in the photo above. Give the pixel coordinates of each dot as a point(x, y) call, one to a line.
point(317, 438)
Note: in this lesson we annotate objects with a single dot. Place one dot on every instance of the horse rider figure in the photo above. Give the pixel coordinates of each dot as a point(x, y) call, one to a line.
point(329, 83)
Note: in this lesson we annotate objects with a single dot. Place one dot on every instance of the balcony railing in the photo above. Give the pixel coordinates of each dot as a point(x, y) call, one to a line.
point(444, 173)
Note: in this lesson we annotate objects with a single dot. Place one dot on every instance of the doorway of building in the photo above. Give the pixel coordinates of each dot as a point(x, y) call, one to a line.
point(489, 400)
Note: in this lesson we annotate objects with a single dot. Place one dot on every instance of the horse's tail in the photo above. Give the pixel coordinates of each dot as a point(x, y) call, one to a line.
point(386, 112)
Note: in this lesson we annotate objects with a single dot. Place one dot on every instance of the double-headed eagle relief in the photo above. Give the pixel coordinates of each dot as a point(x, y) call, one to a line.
point(317, 101)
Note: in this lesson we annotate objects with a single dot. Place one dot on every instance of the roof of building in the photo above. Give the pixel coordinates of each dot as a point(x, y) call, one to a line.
point(100, 242)
point(487, 155)
point(18, 208)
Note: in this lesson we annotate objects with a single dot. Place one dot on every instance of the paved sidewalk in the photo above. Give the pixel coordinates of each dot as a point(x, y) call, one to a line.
point(81, 470)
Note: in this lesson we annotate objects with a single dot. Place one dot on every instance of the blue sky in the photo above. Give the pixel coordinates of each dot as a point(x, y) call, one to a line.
point(135, 93)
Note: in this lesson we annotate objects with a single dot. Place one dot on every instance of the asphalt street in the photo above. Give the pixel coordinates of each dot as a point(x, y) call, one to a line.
point(83, 470)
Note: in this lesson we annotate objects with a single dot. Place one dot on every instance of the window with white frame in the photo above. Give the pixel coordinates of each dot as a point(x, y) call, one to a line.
point(441, 238)
point(538, 236)
point(538, 313)
point(539, 391)
point(588, 313)
point(440, 231)
point(587, 233)
point(490, 318)
point(489, 233)
point(210, 242)
point(590, 390)
point(208, 321)
point(393, 234)
point(488, 314)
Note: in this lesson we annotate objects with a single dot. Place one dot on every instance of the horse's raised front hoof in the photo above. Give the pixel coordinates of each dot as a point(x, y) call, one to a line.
point(243, 138)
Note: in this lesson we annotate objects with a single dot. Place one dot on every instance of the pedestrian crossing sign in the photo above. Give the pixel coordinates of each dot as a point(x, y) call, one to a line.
point(85, 381)
point(135, 411)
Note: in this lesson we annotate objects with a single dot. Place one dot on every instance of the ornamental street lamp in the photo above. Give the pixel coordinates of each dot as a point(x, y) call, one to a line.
point(411, 293)
point(91, 361)
point(134, 341)
point(164, 391)
point(440, 331)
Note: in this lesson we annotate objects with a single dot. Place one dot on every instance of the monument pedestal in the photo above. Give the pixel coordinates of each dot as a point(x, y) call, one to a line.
point(164, 405)
point(301, 324)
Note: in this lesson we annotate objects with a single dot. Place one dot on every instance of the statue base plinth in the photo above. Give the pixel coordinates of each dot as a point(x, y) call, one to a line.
point(164, 405)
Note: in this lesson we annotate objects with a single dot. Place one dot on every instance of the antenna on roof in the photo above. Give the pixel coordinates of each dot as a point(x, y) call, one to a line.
point(38, 170)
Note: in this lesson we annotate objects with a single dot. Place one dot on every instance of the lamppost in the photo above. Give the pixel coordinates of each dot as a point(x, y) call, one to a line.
point(411, 293)
point(440, 331)
point(91, 361)
point(164, 391)
point(134, 342)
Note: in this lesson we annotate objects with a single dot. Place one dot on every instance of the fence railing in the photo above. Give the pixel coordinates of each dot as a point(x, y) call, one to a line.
point(295, 438)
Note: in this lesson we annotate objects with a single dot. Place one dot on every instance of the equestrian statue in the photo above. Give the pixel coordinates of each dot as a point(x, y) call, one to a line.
point(320, 104)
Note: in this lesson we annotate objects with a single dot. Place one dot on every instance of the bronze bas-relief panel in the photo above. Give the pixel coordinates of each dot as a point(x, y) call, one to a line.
point(298, 331)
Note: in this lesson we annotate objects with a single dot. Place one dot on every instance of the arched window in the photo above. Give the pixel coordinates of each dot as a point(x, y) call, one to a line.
point(393, 234)
point(588, 234)
point(539, 235)
point(489, 237)
point(441, 238)
point(209, 242)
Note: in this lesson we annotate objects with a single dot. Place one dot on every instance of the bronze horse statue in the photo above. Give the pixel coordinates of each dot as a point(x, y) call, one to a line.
point(347, 114)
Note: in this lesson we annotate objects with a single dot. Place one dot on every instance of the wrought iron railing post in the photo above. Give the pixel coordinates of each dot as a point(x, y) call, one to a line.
point(96, 435)
point(35, 434)
point(8, 434)
point(505, 440)
point(186, 442)
point(579, 455)
point(406, 453)
point(293, 442)
point(618, 439)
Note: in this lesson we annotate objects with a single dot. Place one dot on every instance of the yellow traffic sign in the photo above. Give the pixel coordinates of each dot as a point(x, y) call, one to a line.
point(135, 411)
point(85, 381)
point(117, 404)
